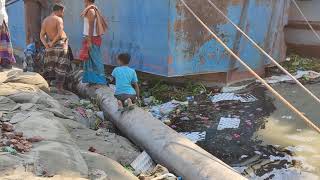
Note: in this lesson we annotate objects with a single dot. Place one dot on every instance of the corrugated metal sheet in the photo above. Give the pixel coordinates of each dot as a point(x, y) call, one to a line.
point(164, 39)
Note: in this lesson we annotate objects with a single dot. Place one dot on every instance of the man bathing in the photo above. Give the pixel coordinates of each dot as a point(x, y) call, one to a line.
point(53, 37)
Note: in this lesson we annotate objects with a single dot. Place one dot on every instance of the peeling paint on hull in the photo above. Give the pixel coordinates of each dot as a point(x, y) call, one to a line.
point(164, 39)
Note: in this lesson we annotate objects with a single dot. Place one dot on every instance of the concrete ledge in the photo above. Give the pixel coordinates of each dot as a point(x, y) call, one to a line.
point(165, 145)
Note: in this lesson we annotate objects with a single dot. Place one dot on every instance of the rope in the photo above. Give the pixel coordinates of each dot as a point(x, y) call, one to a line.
point(307, 121)
point(305, 18)
point(265, 53)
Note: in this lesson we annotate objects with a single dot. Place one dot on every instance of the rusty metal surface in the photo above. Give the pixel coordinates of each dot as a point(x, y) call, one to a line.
point(194, 51)
point(164, 39)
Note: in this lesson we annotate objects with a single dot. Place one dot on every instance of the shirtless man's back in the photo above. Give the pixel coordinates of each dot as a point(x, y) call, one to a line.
point(56, 60)
point(52, 29)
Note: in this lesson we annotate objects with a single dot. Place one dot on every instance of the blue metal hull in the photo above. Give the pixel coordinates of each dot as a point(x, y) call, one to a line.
point(164, 39)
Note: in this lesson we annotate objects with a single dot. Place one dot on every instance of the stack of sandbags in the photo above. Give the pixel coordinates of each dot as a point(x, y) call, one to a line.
point(15, 81)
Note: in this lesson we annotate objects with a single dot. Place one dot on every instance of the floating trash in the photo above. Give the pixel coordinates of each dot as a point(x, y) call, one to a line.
point(228, 123)
point(195, 136)
point(233, 97)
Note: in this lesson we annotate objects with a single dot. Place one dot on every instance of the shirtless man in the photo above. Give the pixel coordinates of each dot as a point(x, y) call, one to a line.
point(53, 37)
point(35, 12)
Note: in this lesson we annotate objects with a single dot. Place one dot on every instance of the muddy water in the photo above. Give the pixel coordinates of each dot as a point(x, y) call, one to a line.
point(287, 130)
point(270, 143)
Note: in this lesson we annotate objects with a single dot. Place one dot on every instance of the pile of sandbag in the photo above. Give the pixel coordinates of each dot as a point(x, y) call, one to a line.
point(15, 81)
point(26, 87)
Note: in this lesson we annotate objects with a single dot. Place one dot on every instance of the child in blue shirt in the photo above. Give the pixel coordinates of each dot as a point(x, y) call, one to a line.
point(126, 80)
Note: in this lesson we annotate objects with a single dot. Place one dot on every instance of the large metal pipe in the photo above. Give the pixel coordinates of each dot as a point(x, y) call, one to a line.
point(165, 146)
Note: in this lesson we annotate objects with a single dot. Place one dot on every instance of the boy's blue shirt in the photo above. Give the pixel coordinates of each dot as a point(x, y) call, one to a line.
point(125, 77)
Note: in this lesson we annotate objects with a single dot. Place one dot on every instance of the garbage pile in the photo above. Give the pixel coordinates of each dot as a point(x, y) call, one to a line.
point(13, 142)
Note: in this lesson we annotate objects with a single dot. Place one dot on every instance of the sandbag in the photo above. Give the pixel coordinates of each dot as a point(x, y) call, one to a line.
point(4, 75)
point(57, 153)
point(28, 78)
point(7, 89)
point(35, 97)
point(113, 169)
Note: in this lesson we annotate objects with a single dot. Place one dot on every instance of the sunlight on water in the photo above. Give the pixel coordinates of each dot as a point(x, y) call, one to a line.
point(294, 136)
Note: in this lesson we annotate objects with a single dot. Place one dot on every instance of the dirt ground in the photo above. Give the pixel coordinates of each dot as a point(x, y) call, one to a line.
point(50, 134)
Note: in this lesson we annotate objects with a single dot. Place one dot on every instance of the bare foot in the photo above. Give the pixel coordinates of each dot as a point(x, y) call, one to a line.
point(129, 104)
point(120, 106)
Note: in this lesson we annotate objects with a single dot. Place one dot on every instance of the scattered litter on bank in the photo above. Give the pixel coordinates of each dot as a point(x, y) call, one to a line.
point(245, 98)
point(100, 115)
point(146, 169)
point(228, 123)
point(158, 173)
point(308, 75)
point(10, 150)
point(143, 164)
point(195, 136)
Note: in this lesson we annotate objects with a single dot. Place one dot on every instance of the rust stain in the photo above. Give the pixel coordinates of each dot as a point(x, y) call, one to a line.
point(189, 30)
point(170, 60)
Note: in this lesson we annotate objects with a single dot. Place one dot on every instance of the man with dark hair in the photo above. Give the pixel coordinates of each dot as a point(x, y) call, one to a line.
point(35, 12)
point(53, 37)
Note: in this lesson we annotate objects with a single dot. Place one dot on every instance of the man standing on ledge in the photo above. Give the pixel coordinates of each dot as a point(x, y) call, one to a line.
point(94, 27)
point(56, 62)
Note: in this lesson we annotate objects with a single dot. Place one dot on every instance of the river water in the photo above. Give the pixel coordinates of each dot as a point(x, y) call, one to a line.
point(270, 142)
point(287, 130)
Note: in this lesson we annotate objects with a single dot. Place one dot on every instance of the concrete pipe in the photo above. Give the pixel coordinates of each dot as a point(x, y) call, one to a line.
point(164, 145)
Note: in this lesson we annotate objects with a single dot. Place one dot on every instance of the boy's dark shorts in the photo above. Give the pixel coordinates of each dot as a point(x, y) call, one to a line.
point(124, 97)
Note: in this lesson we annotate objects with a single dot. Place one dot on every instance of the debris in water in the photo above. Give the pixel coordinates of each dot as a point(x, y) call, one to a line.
point(162, 111)
point(259, 109)
point(300, 74)
point(258, 152)
point(233, 97)
point(185, 119)
point(167, 121)
point(286, 117)
point(236, 136)
point(195, 136)
point(243, 156)
point(228, 123)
